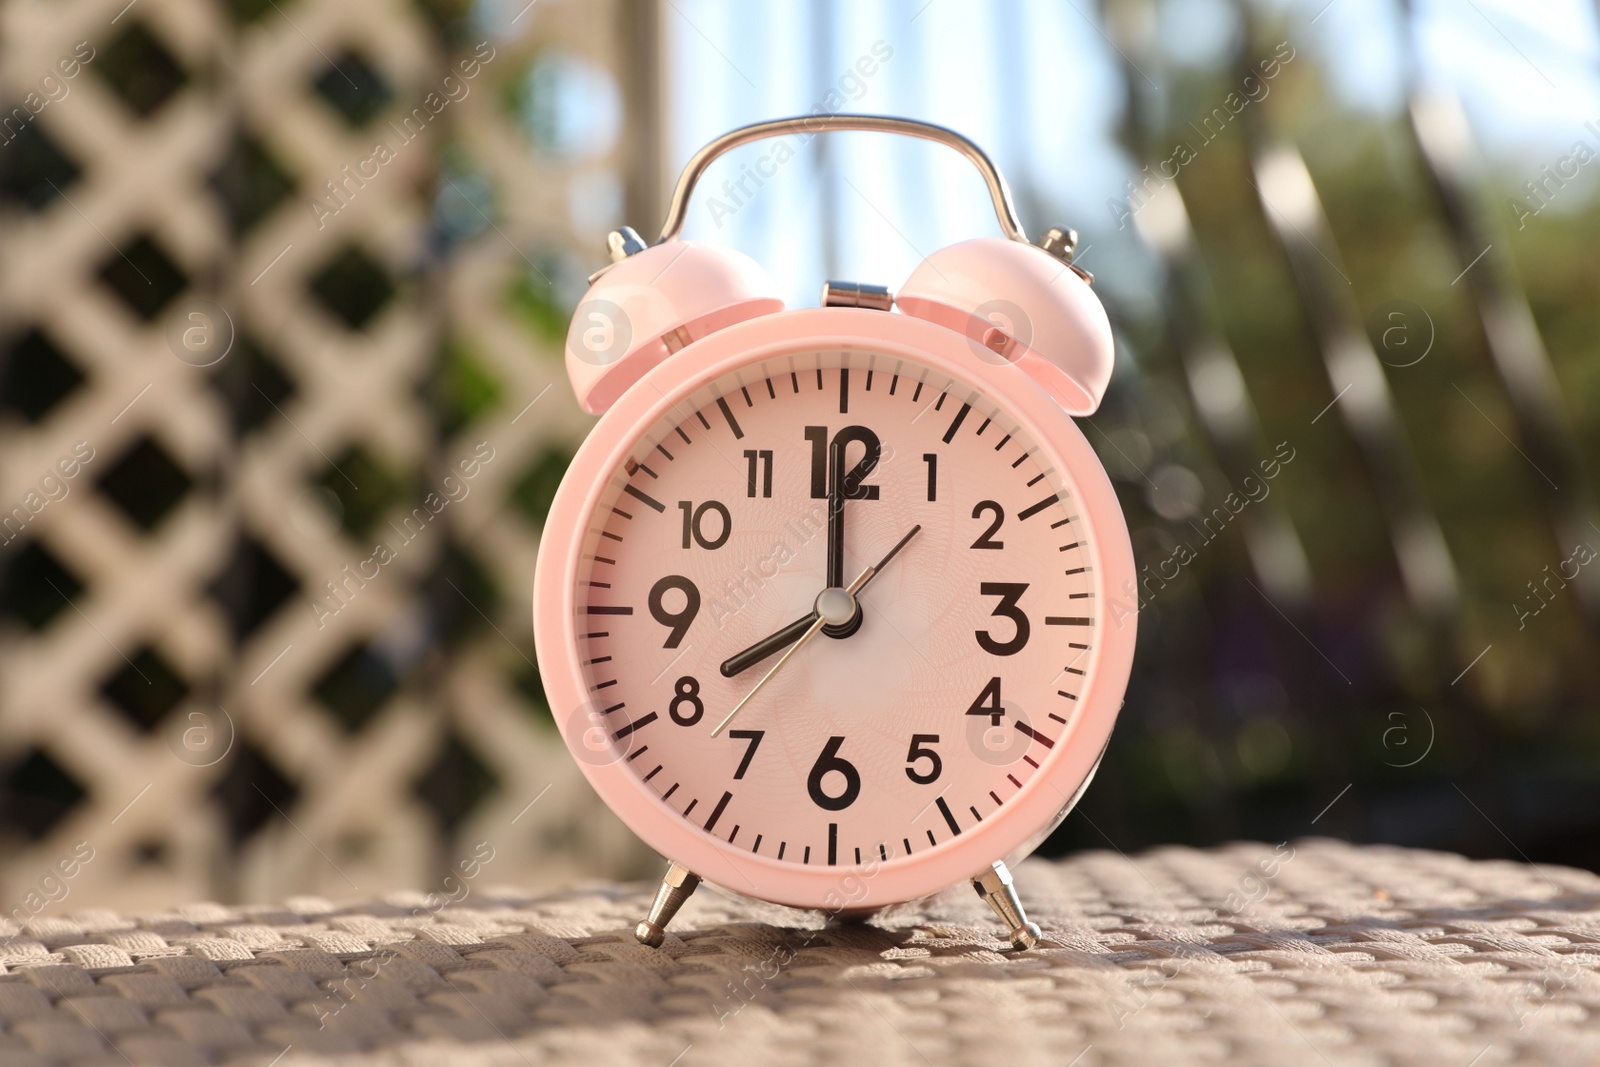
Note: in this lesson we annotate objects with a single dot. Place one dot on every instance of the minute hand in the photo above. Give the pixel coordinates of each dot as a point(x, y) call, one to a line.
point(836, 499)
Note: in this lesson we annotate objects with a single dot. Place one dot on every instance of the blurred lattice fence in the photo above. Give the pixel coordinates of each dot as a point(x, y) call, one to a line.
point(271, 634)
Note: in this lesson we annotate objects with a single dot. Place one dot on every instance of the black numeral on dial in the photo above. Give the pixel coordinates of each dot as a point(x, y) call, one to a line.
point(762, 459)
point(694, 523)
point(1009, 593)
point(830, 760)
point(686, 691)
point(752, 736)
point(852, 480)
point(920, 751)
point(987, 539)
point(988, 703)
point(677, 622)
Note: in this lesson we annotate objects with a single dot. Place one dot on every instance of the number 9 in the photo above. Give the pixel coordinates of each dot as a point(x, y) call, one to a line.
point(677, 622)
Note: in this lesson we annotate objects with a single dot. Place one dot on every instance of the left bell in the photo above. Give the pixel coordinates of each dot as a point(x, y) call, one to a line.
point(652, 303)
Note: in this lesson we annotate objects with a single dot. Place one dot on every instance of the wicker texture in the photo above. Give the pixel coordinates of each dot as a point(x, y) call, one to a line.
point(1313, 953)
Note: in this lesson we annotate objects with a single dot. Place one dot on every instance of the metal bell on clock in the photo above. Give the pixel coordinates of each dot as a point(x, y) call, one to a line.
point(1028, 304)
point(652, 302)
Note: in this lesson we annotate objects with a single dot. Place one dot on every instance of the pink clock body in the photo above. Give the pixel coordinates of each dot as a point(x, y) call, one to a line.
point(962, 719)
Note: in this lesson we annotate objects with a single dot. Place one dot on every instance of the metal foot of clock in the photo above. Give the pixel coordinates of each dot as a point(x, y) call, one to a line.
point(678, 885)
point(995, 886)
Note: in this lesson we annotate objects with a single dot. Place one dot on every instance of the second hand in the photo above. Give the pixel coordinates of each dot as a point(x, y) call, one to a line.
point(846, 608)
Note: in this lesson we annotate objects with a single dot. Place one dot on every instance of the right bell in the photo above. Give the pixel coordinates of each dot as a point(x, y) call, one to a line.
point(1023, 305)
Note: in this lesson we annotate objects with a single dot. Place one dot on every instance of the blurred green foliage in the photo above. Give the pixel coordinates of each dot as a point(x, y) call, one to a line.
point(1242, 722)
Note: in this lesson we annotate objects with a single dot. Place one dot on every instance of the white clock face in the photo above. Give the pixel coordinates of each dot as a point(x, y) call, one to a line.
point(974, 645)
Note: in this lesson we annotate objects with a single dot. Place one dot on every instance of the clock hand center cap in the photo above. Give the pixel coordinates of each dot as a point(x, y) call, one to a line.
point(836, 606)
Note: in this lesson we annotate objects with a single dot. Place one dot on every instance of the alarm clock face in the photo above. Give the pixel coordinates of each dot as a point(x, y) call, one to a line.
point(954, 712)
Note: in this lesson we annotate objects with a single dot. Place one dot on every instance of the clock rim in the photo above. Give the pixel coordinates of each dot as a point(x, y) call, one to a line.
point(844, 887)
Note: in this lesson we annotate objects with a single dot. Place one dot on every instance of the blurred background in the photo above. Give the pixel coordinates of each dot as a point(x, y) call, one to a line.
point(272, 269)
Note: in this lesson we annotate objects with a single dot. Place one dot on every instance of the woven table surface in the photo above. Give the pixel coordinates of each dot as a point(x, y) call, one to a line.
point(1313, 952)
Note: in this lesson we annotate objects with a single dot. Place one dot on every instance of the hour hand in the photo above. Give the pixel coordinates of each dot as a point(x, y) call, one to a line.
point(765, 647)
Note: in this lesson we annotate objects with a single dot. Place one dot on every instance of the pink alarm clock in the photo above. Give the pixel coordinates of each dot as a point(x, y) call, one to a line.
point(835, 606)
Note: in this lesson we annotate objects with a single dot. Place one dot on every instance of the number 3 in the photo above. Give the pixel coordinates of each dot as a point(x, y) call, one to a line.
point(1009, 593)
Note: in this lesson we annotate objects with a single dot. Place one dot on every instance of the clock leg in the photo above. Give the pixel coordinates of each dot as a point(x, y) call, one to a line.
point(995, 886)
point(676, 887)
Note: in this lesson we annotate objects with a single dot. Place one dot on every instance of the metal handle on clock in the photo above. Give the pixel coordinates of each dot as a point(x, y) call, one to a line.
point(1005, 211)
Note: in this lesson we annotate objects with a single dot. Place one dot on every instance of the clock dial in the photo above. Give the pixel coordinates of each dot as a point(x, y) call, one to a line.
point(882, 736)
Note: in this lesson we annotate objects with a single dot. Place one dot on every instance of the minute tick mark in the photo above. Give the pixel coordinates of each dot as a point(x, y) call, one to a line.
point(716, 813)
point(733, 423)
point(643, 497)
point(1035, 734)
point(1032, 509)
point(955, 423)
point(644, 720)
